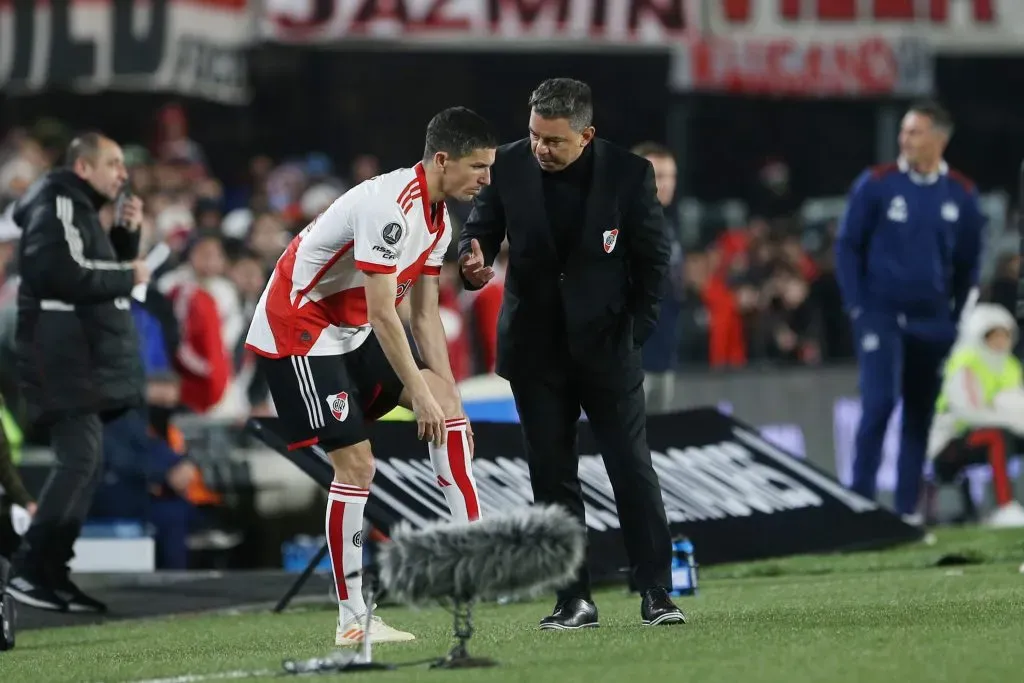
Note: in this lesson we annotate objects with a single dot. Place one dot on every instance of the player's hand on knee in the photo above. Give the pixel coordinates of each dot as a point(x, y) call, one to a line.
point(430, 420)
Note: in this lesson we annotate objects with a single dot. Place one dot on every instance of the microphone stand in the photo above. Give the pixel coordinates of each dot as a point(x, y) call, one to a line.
point(346, 661)
point(458, 657)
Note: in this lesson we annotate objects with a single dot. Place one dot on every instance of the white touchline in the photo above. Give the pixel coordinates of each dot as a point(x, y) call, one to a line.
point(221, 675)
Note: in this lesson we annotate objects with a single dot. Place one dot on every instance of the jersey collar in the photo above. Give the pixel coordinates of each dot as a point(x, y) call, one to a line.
point(920, 178)
point(421, 179)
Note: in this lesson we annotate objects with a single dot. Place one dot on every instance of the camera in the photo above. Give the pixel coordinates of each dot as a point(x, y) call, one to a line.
point(6, 609)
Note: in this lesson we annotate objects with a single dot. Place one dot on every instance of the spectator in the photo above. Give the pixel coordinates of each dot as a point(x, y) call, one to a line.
point(792, 324)
point(659, 351)
point(249, 278)
point(268, 238)
point(727, 345)
point(203, 359)
point(980, 413)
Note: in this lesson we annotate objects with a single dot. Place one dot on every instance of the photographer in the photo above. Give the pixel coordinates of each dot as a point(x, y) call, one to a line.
point(78, 352)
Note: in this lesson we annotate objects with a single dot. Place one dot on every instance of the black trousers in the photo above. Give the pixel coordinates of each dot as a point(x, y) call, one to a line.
point(64, 502)
point(549, 411)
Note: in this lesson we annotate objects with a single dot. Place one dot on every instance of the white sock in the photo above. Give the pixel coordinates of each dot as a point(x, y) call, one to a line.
point(345, 505)
point(454, 469)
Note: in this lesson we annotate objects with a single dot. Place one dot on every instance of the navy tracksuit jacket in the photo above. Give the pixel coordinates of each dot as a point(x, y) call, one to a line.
point(907, 256)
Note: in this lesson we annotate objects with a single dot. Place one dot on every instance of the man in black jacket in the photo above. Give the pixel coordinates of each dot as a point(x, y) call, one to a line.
point(78, 353)
point(588, 254)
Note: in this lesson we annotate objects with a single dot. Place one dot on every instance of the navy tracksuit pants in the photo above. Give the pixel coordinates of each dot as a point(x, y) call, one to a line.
point(897, 359)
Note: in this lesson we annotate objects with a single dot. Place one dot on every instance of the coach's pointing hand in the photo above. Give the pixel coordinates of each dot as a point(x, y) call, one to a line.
point(473, 267)
point(430, 420)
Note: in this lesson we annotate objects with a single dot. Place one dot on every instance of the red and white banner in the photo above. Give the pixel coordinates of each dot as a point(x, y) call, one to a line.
point(949, 26)
point(853, 68)
point(946, 25)
point(190, 47)
point(478, 23)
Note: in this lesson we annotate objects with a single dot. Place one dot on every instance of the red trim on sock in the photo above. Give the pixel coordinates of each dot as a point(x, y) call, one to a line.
point(994, 441)
point(457, 464)
point(348, 490)
point(336, 545)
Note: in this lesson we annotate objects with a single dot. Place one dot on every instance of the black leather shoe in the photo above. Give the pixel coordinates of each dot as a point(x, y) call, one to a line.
point(657, 609)
point(77, 600)
point(571, 614)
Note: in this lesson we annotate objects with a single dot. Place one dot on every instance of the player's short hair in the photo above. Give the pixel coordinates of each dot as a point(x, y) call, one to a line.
point(459, 132)
point(938, 114)
point(653, 149)
point(564, 98)
point(85, 146)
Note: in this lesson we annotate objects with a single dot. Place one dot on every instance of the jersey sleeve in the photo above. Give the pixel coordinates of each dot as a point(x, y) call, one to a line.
point(379, 232)
point(436, 258)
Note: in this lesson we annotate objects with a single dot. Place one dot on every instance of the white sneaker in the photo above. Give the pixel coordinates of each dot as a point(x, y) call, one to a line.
point(916, 519)
point(1008, 516)
point(352, 633)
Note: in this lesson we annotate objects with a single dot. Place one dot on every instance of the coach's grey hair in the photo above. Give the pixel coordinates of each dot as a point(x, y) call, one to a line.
point(564, 98)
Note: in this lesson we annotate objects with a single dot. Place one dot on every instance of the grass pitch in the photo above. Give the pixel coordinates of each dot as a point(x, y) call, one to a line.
point(886, 616)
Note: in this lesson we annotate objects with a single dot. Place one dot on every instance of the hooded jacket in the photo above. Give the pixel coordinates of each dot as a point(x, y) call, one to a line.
point(77, 347)
point(964, 392)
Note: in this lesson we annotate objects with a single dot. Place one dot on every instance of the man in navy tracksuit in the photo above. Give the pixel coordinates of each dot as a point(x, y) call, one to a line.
point(907, 256)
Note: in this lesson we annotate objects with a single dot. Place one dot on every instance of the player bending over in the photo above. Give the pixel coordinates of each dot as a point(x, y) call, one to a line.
point(335, 353)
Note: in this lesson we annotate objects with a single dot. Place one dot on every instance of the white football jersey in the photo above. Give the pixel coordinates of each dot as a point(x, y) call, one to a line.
point(314, 303)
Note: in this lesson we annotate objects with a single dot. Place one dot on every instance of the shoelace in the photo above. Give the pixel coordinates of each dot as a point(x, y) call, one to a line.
point(374, 621)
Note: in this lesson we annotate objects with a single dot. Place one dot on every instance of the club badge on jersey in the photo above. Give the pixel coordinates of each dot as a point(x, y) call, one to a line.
point(610, 237)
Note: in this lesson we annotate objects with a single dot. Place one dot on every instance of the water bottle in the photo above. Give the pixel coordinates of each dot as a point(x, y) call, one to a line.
point(684, 568)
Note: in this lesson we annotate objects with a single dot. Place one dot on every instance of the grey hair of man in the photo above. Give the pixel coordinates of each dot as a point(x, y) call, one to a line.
point(564, 98)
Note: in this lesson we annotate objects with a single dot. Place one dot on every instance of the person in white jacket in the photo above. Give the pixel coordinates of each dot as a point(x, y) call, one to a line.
point(979, 417)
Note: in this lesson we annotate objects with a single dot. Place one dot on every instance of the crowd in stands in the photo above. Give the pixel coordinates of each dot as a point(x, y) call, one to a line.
point(224, 239)
point(759, 292)
point(762, 291)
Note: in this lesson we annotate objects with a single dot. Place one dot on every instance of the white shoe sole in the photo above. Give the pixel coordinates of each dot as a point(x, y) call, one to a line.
point(26, 599)
point(563, 627)
point(82, 609)
point(668, 618)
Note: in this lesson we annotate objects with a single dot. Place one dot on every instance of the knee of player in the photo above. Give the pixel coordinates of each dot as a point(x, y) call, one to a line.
point(447, 397)
point(354, 464)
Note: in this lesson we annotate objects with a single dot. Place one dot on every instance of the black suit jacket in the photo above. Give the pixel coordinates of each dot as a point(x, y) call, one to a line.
point(603, 303)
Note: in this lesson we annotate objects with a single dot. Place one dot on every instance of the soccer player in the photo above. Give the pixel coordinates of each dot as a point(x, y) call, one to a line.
point(335, 352)
point(907, 256)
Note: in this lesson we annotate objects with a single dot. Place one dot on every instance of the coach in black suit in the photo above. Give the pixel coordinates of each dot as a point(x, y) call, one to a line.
point(588, 252)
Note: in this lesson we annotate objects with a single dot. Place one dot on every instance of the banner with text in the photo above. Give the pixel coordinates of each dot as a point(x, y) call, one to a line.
point(949, 26)
point(734, 493)
point(815, 68)
point(190, 47)
point(478, 23)
point(964, 25)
